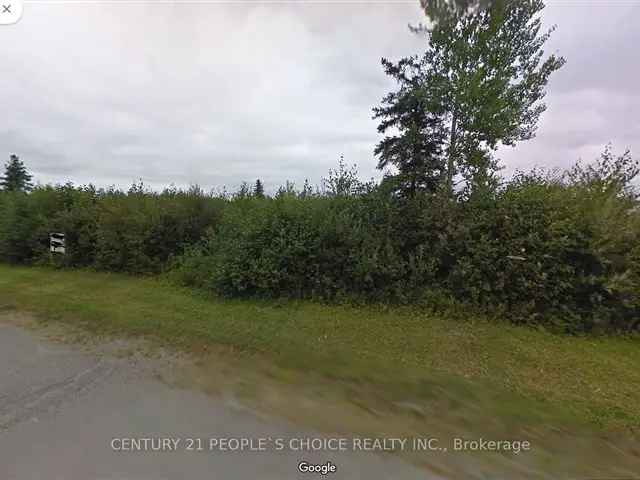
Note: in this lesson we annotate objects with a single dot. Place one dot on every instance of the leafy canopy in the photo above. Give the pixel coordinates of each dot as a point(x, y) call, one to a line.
point(479, 84)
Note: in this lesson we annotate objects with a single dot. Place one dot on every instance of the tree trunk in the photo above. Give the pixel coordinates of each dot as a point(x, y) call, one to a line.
point(452, 152)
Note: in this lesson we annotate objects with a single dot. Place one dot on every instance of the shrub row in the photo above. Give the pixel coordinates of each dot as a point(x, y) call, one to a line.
point(136, 231)
point(560, 250)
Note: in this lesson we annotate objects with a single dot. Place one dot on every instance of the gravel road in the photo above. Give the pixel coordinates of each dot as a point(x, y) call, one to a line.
point(66, 414)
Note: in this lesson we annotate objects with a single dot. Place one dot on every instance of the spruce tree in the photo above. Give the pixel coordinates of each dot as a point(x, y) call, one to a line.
point(415, 148)
point(16, 177)
point(258, 189)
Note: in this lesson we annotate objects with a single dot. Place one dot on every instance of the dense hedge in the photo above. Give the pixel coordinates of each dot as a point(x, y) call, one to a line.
point(558, 250)
point(135, 231)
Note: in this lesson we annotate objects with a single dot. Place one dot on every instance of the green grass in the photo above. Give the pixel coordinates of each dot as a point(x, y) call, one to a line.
point(513, 371)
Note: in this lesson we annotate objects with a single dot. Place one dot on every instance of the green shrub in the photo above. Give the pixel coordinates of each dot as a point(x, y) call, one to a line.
point(136, 232)
point(556, 250)
point(310, 247)
point(18, 221)
point(560, 250)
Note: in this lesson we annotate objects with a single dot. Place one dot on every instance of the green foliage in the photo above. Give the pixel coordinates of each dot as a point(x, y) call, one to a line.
point(139, 232)
point(18, 221)
point(341, 182)
point(479, 84)
point(134, 232)
point(416, 148)
point(16, 177)
point(258, 189)
point(438, 11)
point(556, 249)
point(541, 249)
point(524, 252)
point(325, 247)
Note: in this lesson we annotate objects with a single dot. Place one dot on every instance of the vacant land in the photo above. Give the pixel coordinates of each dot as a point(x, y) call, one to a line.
point(370, 370)
point(592, 380)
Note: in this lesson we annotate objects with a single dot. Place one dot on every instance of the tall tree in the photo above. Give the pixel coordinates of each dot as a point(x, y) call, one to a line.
point(485, 71)
point(488, 68)
point(258, 189)
point(412, 115)
point(16, 177)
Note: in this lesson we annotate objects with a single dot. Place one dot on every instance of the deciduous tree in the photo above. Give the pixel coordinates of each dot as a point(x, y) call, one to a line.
point(483, 75)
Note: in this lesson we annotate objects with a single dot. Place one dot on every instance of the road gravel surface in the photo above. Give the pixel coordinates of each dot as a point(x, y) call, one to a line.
point(69, 414)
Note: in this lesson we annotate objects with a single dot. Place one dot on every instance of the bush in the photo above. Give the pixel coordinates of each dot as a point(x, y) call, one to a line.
point(310, 247)
point(136, 232)
point(18, 221)
point(560, 250)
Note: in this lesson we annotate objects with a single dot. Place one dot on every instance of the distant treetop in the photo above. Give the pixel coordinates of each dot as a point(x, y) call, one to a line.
point(16, 177)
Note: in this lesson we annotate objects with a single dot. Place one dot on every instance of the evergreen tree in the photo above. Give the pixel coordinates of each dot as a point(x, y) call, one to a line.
point(258, 189)
point(415, 148)
point(484, 76)
point(16, 177)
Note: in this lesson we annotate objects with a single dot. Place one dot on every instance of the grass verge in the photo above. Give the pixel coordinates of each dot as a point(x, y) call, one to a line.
point(511, 373)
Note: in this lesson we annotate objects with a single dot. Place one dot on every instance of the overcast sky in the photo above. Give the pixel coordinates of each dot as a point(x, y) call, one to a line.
point(218, 93)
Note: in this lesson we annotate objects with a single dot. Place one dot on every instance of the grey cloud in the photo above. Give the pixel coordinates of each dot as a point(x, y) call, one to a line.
point(220, 93)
